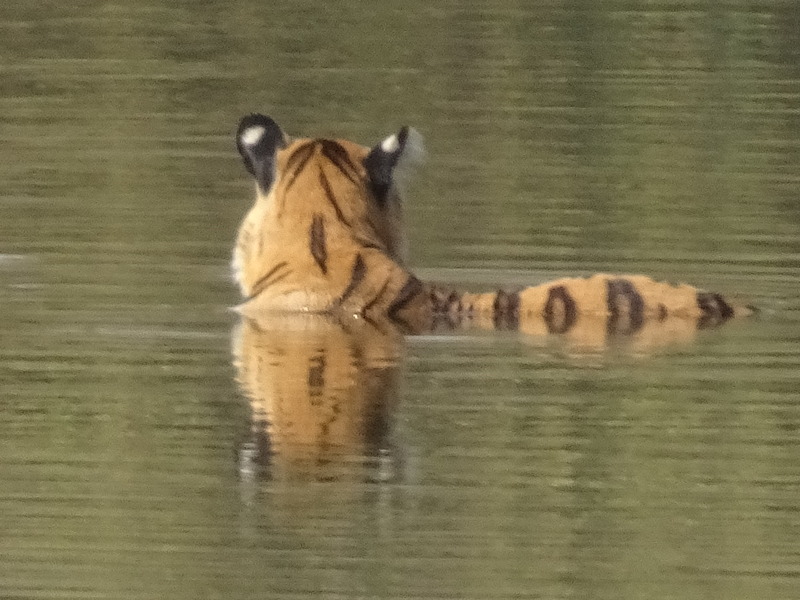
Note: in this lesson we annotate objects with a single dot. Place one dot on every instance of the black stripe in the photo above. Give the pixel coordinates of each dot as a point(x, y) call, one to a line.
point(715, 310)
point(316, 242)
point(505, 310)
point(302, 155)
point(368, 306)
point(442, 300)
point(438, 299)
point(264, 282)
point(443, 304)
point(357, 276)
point(326, 186)
point(367, 244)
point(560, 311)
point(411, 288)
point(725, 310)
point(625, 307)
point(662, 312)
point(335, 153)
point(704, 304)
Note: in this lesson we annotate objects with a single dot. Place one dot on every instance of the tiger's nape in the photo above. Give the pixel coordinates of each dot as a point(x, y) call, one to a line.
point(326, 235)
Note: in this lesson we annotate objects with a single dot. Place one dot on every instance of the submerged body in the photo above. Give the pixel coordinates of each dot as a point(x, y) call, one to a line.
point(326, 235)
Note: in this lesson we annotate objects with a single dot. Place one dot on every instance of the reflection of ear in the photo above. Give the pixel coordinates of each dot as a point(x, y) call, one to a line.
point(387, 159)
point(258, 139)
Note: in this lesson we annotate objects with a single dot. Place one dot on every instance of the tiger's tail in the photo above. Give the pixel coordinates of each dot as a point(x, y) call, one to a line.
point(625, 302)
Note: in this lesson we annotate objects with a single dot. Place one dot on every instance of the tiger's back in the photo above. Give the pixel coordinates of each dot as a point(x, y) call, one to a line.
point(326, 235)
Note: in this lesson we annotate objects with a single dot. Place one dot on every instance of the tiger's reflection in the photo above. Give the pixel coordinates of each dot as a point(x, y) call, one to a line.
point(323, 391)
point(322, 394)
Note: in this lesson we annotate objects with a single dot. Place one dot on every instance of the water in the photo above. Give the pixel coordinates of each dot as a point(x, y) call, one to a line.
point(562, 139)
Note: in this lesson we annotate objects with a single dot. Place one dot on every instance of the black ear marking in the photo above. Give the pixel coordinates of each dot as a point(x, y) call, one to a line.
point(258, 139)
point(382, 160)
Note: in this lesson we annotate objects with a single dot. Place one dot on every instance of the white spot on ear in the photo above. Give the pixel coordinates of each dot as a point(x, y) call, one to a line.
point(252, 135)
point(390, 144)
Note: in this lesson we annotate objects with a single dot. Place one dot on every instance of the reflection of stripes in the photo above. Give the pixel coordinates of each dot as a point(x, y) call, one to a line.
point(316, 242)
point(316, 375)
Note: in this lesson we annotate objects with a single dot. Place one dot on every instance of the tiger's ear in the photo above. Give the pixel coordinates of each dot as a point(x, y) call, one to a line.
point(389, 161)
point(258, 139)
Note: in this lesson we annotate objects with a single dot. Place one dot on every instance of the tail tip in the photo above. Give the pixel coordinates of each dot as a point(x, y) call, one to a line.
point(746, 310)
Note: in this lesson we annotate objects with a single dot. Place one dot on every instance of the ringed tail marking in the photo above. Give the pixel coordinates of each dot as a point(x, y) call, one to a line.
point(715, 310)
point(505, 310)
point(446, 306)
point(560, 311)
point(317, 243)
point(625, 307)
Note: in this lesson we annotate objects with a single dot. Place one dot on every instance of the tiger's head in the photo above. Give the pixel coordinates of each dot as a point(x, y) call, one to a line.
point(324, 208)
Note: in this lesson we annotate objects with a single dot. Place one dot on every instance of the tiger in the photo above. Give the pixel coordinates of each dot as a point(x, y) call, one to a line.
point(326, 235)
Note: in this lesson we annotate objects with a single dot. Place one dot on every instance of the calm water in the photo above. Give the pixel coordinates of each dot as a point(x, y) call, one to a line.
point(658, 137)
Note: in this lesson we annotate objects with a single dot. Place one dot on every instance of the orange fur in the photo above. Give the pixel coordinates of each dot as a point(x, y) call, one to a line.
point(326, 235)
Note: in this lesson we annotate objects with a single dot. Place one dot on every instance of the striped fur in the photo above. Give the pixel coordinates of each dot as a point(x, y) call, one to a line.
point(326, 235)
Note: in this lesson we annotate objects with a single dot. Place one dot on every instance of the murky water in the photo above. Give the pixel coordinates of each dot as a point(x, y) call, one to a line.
point(136, 456)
